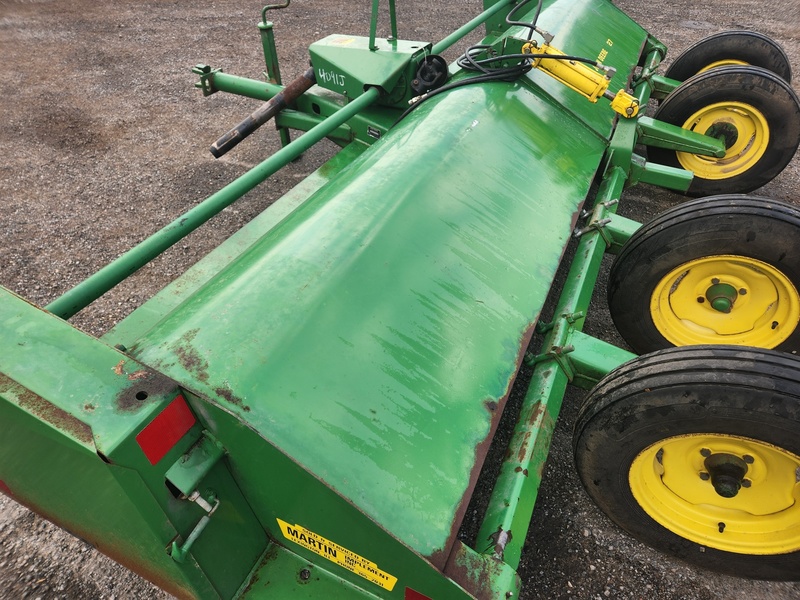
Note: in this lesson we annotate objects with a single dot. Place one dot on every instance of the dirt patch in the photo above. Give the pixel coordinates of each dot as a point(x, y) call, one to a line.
point(103, 141)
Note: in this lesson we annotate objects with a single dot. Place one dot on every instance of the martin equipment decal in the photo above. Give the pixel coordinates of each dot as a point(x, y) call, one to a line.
point(338, 554)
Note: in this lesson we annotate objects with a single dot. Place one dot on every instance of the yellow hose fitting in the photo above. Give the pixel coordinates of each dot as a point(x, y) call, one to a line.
point(625, 104)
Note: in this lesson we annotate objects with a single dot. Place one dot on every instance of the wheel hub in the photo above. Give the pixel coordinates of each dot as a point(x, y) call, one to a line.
point(721, 296)
point(726, 492)
point(726, 472)
point(724, 131)
point(725, 299)
point(744, 130)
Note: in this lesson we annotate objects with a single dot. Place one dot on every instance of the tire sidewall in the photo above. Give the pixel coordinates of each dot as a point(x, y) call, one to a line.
point(624, 416)
point(751, 47)
point(756, 87)
point(720, 230)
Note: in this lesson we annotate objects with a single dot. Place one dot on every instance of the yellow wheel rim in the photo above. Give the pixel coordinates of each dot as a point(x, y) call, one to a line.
point(731, 62)
point(725, 299)
point(671, 482)
point(746, 135)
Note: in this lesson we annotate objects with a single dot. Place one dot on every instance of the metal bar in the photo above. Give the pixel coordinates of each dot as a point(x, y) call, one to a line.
point(664, 176)
point(593, 359)
point(511, 505)
point(311, 108)
point(393, 18)
point(660, 134)
point(258, 90)
point(459, 33)
point(109, 276)
point(663, 86)
point(270, 52)
point(373, 25)
point(654, 52)
point(273, 66)
point(620, 230)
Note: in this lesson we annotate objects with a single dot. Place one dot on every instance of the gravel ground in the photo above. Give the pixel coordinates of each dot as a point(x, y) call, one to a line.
point(103, 141)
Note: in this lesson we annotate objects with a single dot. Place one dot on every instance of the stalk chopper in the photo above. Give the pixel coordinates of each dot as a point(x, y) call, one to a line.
point(306, 411)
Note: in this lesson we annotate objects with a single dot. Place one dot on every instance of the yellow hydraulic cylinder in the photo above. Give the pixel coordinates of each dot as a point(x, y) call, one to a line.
point(580, 77)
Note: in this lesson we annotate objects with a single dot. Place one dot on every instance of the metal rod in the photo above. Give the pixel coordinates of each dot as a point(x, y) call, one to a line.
point(393, 19)
point(270, 52)
point(459, 33)
point(273, 7)
point(373, 25)
point(109, 276)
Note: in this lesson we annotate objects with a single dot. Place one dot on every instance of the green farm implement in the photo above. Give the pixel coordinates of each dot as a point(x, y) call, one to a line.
point(306, 412)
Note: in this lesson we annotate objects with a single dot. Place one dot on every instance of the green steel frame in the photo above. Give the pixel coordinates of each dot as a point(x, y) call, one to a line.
point(205, 475)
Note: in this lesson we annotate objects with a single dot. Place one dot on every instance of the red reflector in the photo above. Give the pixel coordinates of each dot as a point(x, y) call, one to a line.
point(165, 430)
point(413, 595)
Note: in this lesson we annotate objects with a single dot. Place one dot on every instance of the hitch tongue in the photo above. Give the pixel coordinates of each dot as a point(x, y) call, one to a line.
point(263, 114)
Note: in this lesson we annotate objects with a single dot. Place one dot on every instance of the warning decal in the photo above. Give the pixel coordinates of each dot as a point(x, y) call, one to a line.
point(338, 554)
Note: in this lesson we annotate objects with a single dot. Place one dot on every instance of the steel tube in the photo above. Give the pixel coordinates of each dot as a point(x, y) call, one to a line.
point(243, 86)
point(109, 276)
point(459, 33)
point(270, 52)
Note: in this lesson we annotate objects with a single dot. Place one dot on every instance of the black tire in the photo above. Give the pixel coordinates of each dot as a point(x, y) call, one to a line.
point(645, 432)
point(743, 240)
point(754, 110)
point(748, 47)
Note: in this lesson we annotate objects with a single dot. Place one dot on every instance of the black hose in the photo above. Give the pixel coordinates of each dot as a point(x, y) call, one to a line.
point(468, 62)
point(530, 26)
point(509, 75)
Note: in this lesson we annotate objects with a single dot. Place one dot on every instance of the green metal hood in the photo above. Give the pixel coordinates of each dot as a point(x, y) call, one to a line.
point(391, 403)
